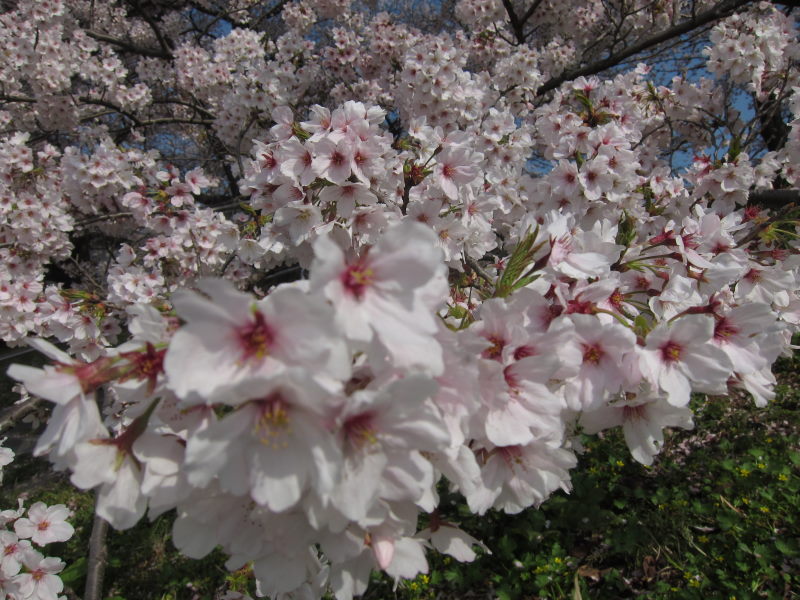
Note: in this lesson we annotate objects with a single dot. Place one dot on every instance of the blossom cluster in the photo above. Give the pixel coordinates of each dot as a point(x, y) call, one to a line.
point(320, 417)
point(485, 272)
point(25, 573)
point(753, 48)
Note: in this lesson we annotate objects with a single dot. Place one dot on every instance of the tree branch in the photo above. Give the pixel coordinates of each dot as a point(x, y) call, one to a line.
point(774, 198)
point(5, 98)
point(18, 412)
point(516, 24)
point(272, 12)
point(720, 11)
point(165, 43)
point(127, 46)
point(98, 554)
point(529, 12)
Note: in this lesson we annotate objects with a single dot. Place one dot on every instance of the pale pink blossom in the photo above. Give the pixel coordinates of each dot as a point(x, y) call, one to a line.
point(455, 167)
point(389, 292)
point(45, 524)
point(680, 358)
point(41, 581)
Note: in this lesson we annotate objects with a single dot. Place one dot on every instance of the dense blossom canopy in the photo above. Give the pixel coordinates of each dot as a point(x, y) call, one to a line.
point(323, 256)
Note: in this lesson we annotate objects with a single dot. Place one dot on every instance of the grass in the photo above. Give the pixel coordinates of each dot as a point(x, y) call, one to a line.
point(715, 517)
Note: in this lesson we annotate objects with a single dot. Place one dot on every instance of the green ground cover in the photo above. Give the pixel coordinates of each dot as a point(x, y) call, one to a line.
point(715, 517)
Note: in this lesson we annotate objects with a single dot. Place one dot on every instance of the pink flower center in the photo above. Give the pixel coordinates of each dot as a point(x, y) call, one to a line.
point(360, 430)
point(633, 413)
point(273, 423)
point(671, 352)
point(494, 351)
point(616, 299)
point(148, 365)
point(592, 353)
point(524, 352)
point(753, 275)
point(268, 161)
point(582, 307)
point(723, 329)
point(512, 455)
point(512, 379)
point(43, 526)
point(337, 159)
point(357, 278)
point(91, 375)
point(255, 338)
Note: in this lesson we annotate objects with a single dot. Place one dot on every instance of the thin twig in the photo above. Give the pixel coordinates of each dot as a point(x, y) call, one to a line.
point(98, 555)
point(473, 264)
point(99, 218)
point(98, 551)
point(18, 412)
point(720, 11)
point(127, 46)
point(239, 144)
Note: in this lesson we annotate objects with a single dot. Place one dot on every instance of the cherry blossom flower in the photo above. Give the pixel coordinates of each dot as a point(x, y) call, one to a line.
point(643, 420)
point(40, 582)
point(516, 477)
point(387, 293)
point(68, 380)
point(455, 167)
point(45, 525)
point(232, 337)
point(109, 464)
point(604, 347)
point(273, 446)
point(678, 358)
point(13, 552)
point(332, 160)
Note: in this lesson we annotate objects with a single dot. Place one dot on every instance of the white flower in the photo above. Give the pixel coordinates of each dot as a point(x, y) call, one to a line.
point(273, 446)
point(41, 581)
point(13, 550)
point(390, 292)
point(680, 357)
point(45, 525)
point(230, 337)
point(642, 419)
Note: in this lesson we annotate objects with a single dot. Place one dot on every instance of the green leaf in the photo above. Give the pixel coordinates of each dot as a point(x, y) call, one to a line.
point(506, 546)
point(523, 281)
point(453, 576)
point(726, 520)
point(626, 230)
point(641, 326)
point(520, 259)
point(459, 312)
point(576, 588)
point(735, 148)
point(584, 100)
point(786, 547)
point(75, 572)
